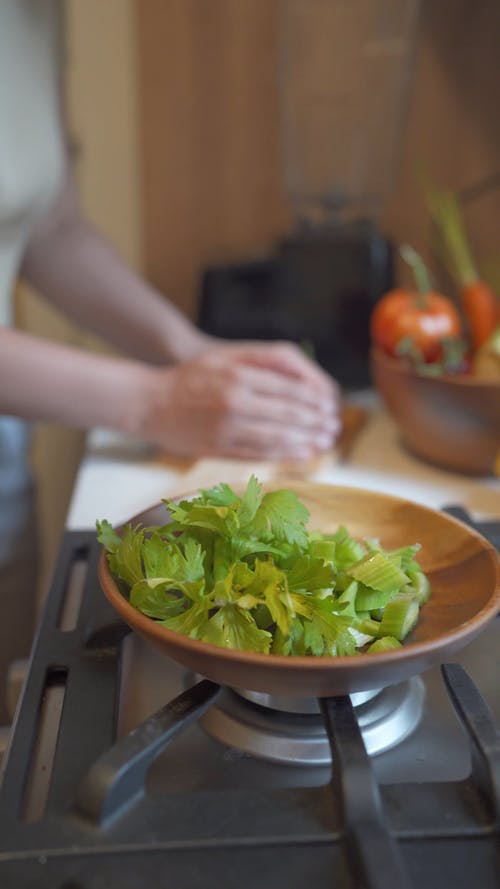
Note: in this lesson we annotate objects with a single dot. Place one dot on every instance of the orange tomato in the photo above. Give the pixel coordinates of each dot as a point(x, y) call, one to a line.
point(426, 319)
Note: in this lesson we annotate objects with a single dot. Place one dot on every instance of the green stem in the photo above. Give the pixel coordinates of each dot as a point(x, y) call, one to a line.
point(419, 269)
point(446, 212)
point(367, 626)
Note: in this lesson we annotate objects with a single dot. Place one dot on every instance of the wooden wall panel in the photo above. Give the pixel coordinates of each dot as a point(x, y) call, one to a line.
point(210, 137)
point(209, 119)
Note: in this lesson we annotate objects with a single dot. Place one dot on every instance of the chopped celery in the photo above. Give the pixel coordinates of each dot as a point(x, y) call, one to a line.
point(245, 572)
point(405, 556)
point(347, 600)
point(399, 618)
point(323, 549)
point(342, 582)
point(348, 550)
point(378, 571)
point(373, 544)
point(386, 643)
point(366, 626)
point(419, 586)
point(369, 600)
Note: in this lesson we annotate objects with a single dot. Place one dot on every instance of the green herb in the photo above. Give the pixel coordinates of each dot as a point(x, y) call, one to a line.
point(453, 357)
point(244, 572)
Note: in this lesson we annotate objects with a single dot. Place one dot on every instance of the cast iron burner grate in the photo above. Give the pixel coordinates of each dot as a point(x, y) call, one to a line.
point(75, 814)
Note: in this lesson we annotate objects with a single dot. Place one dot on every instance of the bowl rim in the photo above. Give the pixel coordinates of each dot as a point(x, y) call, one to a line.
point(408, 651)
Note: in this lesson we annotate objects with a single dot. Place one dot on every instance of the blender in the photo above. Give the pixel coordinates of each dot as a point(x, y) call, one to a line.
point(344, 72)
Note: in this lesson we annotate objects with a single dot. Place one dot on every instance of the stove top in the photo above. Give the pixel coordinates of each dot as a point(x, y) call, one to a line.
point(219, 788)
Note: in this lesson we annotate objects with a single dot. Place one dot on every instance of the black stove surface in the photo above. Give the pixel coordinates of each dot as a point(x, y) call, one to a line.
point(91, 798)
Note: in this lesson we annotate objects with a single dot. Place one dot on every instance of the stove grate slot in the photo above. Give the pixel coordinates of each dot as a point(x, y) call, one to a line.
point(374, 856)
point(38, 780)
point(71, 602)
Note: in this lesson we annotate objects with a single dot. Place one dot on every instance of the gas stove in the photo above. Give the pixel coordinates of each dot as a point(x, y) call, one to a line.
point(125, 771)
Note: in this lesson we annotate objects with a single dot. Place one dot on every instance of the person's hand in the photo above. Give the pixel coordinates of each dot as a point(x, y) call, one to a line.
point(245, 400)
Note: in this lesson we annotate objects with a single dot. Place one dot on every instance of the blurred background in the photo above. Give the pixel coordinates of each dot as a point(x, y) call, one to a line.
point(244, 153)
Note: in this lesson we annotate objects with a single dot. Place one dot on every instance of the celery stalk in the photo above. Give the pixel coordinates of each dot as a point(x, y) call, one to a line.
point(400, 617)
point(379, 572)
point(386, 643)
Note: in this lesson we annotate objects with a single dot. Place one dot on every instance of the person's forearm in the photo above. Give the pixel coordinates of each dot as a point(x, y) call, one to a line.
point(244, 401)
point(78, 271)
point(41, 380)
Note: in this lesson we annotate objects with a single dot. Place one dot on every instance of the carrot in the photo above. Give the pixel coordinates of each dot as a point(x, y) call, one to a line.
point(480, 306)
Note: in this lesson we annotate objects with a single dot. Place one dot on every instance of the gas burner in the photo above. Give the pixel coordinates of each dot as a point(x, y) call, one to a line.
point(293, 731)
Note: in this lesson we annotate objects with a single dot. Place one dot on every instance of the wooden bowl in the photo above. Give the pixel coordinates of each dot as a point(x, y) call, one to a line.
point(453, 422)
point(463, 568)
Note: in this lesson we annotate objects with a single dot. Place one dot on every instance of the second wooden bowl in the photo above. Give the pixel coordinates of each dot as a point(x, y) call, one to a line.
point(451, 421)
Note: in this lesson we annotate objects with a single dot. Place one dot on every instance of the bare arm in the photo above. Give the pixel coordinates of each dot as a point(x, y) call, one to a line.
point(74, 267)
point(187, 392)
point(239, 401)
point(41, 380)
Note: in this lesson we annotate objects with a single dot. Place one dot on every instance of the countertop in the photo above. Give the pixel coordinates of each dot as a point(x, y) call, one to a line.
point(119, 477)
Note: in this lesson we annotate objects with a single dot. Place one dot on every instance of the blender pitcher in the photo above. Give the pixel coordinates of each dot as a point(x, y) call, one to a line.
point(344, 72)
